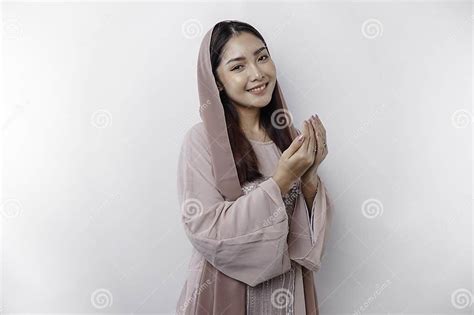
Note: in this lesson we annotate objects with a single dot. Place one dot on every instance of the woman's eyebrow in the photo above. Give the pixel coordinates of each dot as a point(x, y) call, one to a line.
point(243, 58)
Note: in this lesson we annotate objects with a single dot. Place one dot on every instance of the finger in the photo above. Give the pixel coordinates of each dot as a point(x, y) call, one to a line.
point(294, 146)
point(316, 129)
point(305, 130)
point(321, 130)
point(319, 139)
point(323, 137)
point(313, 142)
point(320, 144)
point(320, 125)
point(307, 135)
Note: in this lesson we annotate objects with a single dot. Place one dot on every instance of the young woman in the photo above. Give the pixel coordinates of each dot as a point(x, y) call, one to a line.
point(253, 205)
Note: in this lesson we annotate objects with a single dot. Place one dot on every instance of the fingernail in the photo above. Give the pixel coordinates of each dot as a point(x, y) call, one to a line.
point(300, 137)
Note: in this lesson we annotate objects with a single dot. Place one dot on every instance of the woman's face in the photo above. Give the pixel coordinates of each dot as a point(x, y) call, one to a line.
point(250, 70)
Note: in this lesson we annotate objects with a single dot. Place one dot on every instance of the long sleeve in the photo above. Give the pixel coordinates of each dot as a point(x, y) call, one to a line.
point(309, 229)
point(245, 239)
point(308, 234)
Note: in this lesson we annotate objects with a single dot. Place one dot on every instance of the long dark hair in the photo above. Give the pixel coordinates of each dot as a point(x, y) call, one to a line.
point(245, 159)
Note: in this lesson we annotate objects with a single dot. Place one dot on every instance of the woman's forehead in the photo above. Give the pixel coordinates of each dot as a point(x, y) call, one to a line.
point(242, 45)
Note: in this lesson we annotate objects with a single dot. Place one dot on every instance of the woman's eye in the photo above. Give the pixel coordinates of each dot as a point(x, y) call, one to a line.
point(237, 67)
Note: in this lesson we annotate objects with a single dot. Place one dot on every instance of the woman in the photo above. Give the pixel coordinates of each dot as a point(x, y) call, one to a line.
point(253, 206)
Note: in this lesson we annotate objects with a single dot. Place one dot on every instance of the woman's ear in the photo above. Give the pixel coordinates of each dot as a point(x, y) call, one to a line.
point(219, 86)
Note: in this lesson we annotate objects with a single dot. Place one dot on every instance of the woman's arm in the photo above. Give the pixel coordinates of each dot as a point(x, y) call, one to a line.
point(245, 239)
point(309, 190)
point(309, 228)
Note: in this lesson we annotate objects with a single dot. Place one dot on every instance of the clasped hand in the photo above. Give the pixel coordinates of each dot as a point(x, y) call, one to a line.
point(304, 155)
point(315, 135)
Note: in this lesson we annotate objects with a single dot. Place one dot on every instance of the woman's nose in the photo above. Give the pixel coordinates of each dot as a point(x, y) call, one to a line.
point(256, 72)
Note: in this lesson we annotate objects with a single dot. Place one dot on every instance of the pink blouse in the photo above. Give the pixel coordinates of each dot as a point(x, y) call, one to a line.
point(262, 238)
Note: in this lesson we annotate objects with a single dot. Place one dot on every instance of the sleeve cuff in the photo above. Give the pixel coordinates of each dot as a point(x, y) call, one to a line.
point(271, 187)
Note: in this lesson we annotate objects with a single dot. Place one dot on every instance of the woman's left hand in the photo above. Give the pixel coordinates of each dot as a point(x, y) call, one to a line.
point(314, 128)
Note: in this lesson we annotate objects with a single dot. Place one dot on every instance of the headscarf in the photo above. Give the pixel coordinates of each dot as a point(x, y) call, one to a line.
point(212, 115)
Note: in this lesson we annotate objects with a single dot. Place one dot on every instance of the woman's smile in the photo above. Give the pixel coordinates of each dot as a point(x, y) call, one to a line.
point(259, 91)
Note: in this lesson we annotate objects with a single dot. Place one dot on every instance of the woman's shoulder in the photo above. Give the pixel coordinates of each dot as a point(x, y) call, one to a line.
point(196, 132)
point(195, 138)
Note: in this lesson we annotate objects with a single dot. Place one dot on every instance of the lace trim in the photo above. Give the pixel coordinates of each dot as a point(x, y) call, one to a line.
point(276, 295)
point(289, 199)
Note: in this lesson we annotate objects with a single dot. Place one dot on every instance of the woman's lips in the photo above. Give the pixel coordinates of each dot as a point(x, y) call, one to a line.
point(259, 92)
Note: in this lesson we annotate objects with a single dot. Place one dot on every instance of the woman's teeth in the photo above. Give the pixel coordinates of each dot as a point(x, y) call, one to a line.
point(258, 89)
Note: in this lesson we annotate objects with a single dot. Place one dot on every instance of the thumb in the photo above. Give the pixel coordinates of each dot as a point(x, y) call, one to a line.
point(294, 146)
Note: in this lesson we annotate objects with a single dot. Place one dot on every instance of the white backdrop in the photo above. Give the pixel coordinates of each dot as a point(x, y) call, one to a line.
point(97, 98)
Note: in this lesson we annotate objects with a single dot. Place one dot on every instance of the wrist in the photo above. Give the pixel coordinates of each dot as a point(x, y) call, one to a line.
point(309, 185)
point(309, 179)
point(283, 184)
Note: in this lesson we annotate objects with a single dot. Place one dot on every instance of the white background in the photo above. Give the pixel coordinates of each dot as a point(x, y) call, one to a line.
point(96, 100)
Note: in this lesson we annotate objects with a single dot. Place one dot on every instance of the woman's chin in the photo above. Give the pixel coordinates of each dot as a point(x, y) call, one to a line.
point(260, 102)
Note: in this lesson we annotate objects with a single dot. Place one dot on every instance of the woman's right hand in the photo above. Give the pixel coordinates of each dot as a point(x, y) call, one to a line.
point(295, 160)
